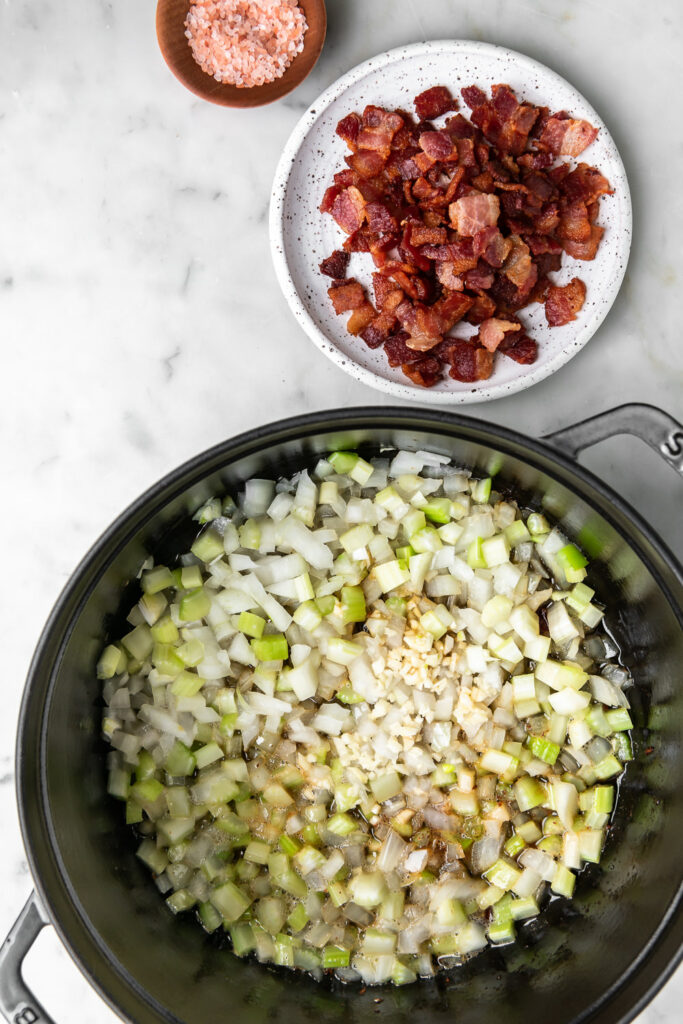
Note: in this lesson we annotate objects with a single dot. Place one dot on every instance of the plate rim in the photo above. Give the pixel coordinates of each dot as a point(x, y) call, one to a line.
point(298, 307)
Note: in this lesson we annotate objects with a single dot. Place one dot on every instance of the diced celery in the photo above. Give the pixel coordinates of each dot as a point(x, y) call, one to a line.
point(210, 917)
point(475, 556)
point(502, 874)
point(112, 663)
point(481, 490)
point(516, 533)
point(273, 647)
point(521, 909)
point(356, 538)
point(308, 616)
point(191, 652)
point(243, 940)
point(208, 754)
point(230, 901)
point(426, 540)
point(164, 630)
point(155, 580)
point(188, 578)
point(208, 546)
point(543, 749)
point(438, 510)
point(335, 956)
point(251, 625)
point(590, 845)
point(187, 684)
point(180, 760)
point(257, 852)
point(343, 462)
point(514, 845)
point(623, 749)
point(146, 792)
point(298, 919)
point(139, 642)
point(564, 881)
point(194, 605)
point(572, 562)
point(618, 720)
point(608, 767)
point(501, 932)
point(537, 525)
point(597, 721)
point(353, 605)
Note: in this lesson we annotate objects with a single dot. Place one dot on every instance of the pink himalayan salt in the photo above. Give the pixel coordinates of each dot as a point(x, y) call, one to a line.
point(245, 42)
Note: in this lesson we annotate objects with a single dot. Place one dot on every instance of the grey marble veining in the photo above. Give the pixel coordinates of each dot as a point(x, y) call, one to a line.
point(140, 320)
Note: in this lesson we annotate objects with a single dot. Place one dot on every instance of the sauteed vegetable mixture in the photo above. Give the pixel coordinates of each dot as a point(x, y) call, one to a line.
point(370, 722)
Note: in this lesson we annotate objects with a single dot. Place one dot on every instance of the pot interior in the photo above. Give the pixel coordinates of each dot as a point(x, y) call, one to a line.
point(155, 967)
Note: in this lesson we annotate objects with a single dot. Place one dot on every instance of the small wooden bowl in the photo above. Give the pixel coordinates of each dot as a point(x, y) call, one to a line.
point(176, 51)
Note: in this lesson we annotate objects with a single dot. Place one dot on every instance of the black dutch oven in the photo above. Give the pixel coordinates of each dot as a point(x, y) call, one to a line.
point(598, 958)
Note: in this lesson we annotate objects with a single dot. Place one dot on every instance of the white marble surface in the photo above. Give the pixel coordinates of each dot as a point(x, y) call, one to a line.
point(140, 321)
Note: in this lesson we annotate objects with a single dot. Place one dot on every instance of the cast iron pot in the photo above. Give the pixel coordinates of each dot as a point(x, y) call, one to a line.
point(597, 958)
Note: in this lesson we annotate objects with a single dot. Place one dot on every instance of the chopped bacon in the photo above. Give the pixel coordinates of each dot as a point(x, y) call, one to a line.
point(335, 265)
point(348, 128)
point(585, 250)
point(469, 362)
point(397, 351)
point(492, 332)
point(473, 213)
point(438, 145)
point(346, 296)
point(564, 302)
point(566, 137)
point(348, 209)
point(360, 318)
point(424, 372)
point(462, 221)
point(434, 102)
point(379, 329)
point(519, 347)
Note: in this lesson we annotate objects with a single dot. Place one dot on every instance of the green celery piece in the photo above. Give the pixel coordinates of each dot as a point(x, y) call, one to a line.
point(438, 510)
point(251, 625)
point(353, 605)
point(194, 605)
point(273, 647)
point(180, 760)
point(208, 546)
point(544, 750)
point(335, 956)
point(343, 462)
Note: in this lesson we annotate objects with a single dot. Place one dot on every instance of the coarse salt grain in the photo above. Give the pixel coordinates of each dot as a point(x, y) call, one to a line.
point(245, 42)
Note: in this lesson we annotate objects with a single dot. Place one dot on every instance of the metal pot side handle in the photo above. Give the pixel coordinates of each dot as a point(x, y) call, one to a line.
point(17, 1002)
point(654, 426)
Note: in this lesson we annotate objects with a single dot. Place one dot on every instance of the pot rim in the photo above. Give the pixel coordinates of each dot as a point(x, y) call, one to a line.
point(191, 472)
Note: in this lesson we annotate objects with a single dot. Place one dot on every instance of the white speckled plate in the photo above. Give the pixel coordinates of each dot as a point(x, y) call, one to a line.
point(301, 236)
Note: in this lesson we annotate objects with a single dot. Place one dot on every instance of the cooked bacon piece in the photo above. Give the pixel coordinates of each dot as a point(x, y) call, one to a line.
point(469, 362)
point(347, 296)
point(438, 145)
point(359, 241)
point(379, 329)
point(519, 347)
point(482, 308)
point(460, 255)
point(585, 250)
point(473, 213)
point(348, 128)
point(448, 277)
point(542, 244)
point(422, 323)
point(360, 318)
point(335, 265)
point(585, 183)
point(574, 223)
point(479, 279)
point(497, 250)
point(519, 267)
point(397, 351)
point(328, 199)
point(564, 136)
point(451, 308)
point(367, 163)
point(492, 332)
point(564, 302)
point(434, 102)
point(348, 209)
point(384, 288)
point(380, 220)
point(421, 235)
point(425, 372)
point(504, 121)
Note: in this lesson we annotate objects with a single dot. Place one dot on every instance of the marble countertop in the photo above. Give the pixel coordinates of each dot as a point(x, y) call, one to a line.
point(136, 333)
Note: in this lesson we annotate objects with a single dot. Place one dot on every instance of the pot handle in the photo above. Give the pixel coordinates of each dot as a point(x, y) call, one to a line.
point(17, 1002)
point(654, 426)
